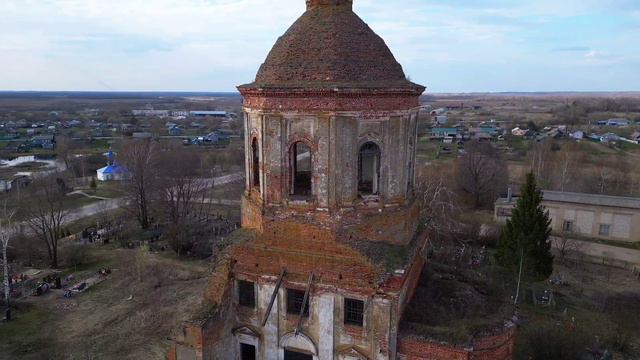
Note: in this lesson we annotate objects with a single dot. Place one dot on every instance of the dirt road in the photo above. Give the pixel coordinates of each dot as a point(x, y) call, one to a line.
point(112, 204)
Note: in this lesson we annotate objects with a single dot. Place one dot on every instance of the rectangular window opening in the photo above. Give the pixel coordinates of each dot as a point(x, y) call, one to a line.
point(353, 312)
point(605, 230)
point(246, 294)
point(294, 302)
point(301, 167)
point(567, 226)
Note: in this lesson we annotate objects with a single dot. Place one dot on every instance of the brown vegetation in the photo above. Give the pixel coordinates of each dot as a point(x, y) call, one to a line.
point(121, 318)
point(46, 214)
point(481, 174)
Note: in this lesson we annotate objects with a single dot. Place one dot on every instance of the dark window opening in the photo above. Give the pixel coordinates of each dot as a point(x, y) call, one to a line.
point(410, 177)
point(255, 164)
point(247, 352)
point(369, 169)
point(294, 302)
point(294, 355)
point(301, 169)
point(505, 212)
point(353, 312)
point(567, 226)
point(246, 294)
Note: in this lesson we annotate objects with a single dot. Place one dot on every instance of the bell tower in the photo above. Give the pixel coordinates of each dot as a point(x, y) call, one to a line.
point(330, 249)
point(331, 124)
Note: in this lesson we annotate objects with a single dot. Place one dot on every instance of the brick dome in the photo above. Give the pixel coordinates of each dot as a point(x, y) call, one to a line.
point(328, 47)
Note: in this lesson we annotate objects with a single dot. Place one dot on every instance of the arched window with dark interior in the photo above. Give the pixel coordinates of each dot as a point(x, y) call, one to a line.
point(255, 164)
point(369, 169)
point(300, 164)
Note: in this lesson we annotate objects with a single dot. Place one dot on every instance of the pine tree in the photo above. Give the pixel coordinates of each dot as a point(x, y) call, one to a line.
point(526, 236)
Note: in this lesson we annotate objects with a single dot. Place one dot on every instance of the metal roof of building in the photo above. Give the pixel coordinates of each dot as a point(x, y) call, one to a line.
point(584, 199)
point(592, 199)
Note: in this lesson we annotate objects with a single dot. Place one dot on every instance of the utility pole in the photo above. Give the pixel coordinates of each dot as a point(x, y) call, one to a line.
point(519, 278)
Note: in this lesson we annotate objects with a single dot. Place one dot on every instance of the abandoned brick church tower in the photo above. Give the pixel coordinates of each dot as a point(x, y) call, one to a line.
point(330, 249)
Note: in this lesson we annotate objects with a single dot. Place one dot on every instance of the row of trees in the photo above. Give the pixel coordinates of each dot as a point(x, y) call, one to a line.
point(481, 175)
point(585, 106)
point(568, 166)
point(168, 186)
point(524, 246)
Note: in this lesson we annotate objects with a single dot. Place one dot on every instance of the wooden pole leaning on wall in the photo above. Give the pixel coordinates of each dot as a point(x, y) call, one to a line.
point(273, 297)
point(304, 304)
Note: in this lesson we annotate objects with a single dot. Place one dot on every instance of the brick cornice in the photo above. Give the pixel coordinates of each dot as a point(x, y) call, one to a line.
point(331, 99)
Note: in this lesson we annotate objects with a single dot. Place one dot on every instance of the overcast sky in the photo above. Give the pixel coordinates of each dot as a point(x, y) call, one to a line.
point(214, 45)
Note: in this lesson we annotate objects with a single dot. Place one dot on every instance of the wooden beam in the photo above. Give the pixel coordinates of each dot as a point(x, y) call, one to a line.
point(304, 303)
point(273, 297)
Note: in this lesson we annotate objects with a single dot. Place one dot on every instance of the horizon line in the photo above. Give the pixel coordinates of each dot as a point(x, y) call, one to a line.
point(425, 93)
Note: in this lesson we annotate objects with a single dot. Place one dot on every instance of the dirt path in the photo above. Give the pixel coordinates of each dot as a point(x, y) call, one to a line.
point(112, 204)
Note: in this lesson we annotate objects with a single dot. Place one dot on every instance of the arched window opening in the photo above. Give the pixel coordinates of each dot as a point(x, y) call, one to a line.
point(301, 169)
point(255, 164)
point(369, 169)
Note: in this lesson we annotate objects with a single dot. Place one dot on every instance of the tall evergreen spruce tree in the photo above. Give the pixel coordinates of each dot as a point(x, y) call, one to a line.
point(526, 236)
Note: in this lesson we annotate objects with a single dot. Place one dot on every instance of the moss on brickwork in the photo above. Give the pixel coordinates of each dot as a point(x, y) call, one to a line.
point(388, 257)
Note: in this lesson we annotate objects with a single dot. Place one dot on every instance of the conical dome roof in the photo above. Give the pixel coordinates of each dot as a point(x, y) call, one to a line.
point(329, 46)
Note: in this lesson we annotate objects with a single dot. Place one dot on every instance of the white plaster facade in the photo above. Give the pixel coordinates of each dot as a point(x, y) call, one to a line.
point(323, 334)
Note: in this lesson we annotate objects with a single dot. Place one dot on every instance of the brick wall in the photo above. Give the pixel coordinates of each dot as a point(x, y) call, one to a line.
point(498, 347)
point(301, 249)
point(422, 350)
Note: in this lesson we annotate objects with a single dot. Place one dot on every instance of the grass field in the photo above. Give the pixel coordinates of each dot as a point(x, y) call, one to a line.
point(599, 304)
point(131, 315)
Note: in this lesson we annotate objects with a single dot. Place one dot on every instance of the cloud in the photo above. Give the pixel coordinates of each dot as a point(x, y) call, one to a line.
point(572, 49)
point(167, 39)
point(213, 45)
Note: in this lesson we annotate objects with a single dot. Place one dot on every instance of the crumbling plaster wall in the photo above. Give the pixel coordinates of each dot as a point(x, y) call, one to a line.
point(335, 139)
point(325, 324)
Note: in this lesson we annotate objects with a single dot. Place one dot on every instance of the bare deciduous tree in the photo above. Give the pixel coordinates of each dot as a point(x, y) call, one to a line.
point(180, 184)
point(439, 203)
point(565, 245)
point(63, 148)
point(180, 191)
point(481, 174)
point(566, 163)
point(621, 176)
point(46, 213)
point(139, 157)
point(602, 179)
point(541, 163)
point(7, 232)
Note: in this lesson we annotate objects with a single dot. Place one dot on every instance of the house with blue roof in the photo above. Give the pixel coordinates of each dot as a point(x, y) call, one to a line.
point(113, 171)
point(446, 134)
